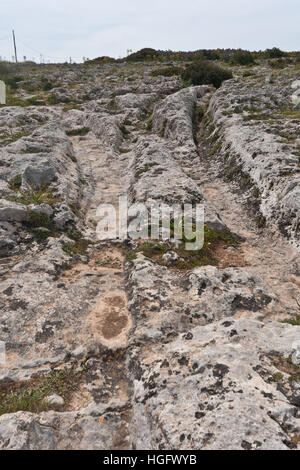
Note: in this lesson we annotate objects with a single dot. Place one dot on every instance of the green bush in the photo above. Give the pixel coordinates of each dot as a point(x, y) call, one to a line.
point(243, 58)
point(211, 55)
point(125, 132)
point(47, 84)
point(35, 101)
point(6, 74)
point(280, 63)
point(167, 71)
point(205, 73)
point(52, 99)
point(143, 55)
point(77, 248)
point(13, 82)
point(274, 53)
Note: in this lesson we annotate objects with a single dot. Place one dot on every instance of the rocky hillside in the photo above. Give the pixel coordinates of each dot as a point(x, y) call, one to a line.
point(128, 344)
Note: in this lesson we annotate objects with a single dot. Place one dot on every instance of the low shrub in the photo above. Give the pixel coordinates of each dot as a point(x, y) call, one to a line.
point(205, 73)
point(79, 247)
point(42, 196)
point(143, 55)
point(280, 63)
point(243, 58)
point(274, 53)
point(210, 55)
point(35, 101)
point(167, 71)
point(13, 82)
point(125, 132)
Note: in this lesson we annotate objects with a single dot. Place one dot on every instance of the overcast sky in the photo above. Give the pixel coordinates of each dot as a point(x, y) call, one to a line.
point(59, 29)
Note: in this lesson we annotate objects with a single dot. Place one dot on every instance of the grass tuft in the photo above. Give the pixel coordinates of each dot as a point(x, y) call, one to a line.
point(31, 395)
point(79, 247)
point(15, 183)
point(42, 196)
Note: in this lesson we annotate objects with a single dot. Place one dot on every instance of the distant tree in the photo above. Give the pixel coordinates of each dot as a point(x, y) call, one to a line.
point(206, 73)
point(144, 54)
point(274, 53)
point(211, 55)
point(243, 58)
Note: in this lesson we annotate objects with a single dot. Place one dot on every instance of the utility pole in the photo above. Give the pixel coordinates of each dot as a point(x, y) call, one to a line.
point(16, 57)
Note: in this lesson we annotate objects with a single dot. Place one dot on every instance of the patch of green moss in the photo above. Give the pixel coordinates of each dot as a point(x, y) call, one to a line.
point(256, 192)
point(79, 247)
point(70, 106)
point(112, 106)
point(35, 101)
point(15, 183)
point(260, 221)
point(38, 219)
point(130, 255)
point(232, 170)
point(278, 377)
point(214, 138)
point(196, 118)
point(30, 151)
point(10, 138)
point(32, 395)
point(149, 123)
point(163, 129)
point(75, 208)
point(144, 170)
point(39, 225)
point(215, 149)
point(74, 234)
point(188, 259)
point(125, 131)
point(248, 73)
point(286, 365)
point(257, 117)
point(124, 150)
point(80, 131)
point(295, 321)
point(289, 112)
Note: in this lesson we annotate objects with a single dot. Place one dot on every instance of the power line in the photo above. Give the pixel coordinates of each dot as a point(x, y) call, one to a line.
point(32, 49)
point(44, 55)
